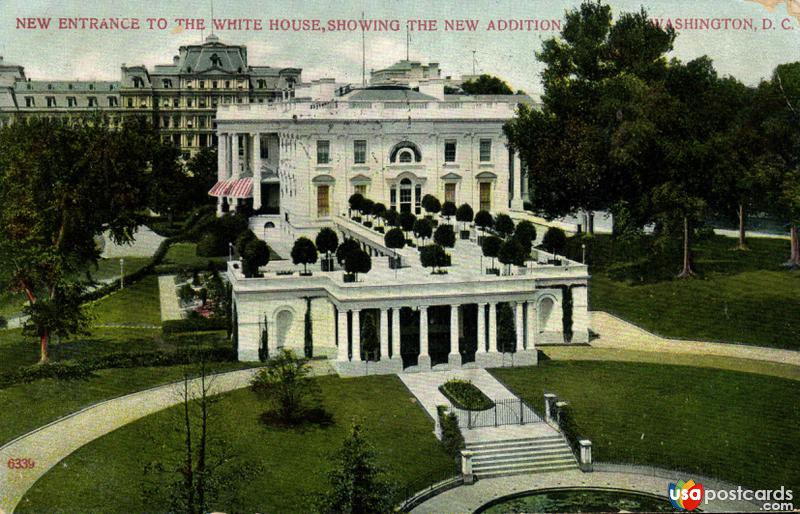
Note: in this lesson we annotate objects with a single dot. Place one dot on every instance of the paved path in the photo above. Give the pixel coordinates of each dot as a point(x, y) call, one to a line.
point(170, 308)
point(619, 334)
point(145, 244)
point(468, 498)
point(49, 444)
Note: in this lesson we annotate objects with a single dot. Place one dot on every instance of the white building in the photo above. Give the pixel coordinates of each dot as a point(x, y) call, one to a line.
point(297, 163)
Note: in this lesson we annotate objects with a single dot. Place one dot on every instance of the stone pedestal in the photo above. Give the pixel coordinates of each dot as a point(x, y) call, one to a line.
point(586, 455)
point(489, 360)
point(424, 362)
point(454, 360)
point(526, 358)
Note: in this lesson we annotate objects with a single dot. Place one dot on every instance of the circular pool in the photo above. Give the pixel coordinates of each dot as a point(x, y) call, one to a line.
point(577, 500)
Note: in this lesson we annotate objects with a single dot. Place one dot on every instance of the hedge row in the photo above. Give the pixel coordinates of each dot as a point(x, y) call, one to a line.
point(82, 369)
point(193, 325)
point(452, 438)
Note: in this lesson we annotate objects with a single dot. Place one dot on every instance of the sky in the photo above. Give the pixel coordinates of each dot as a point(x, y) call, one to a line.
point(749, 55)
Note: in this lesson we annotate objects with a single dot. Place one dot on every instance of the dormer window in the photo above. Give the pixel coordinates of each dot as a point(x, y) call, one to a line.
point(91, 86)
point(167, 83)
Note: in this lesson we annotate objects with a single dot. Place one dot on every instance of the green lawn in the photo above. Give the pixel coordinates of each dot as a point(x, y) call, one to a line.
point(740, 427)
point(293, 462)
point(136, 304)
point(739, 297)
point(38, 403)
point(185, 254)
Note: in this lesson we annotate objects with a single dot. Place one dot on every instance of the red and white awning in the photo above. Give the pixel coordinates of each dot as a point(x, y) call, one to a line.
point(235, 188)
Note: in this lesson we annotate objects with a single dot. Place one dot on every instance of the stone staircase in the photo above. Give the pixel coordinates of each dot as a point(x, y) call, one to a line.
point(517, 456)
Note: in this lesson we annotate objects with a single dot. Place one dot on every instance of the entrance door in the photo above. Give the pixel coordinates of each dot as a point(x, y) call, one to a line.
point(486, 196)
point(405, 195)
point(323, 193)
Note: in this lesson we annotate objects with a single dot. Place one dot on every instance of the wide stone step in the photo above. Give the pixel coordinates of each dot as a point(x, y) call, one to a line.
point(559, 445)
point(488, 468)
point(481, 445)
point(525, 470)
point(559, 452)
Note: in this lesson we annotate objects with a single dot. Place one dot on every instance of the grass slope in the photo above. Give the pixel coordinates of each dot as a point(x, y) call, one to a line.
point(739, 297)
point(294, 462)
point(137, 304)
point(740, 427)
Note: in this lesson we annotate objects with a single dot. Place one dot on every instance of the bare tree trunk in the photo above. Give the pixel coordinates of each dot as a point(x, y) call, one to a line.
point(201, 458)
point(794, 258)
point(188, 464)
point(44, 342)
point(742, 245)
point(687, 271)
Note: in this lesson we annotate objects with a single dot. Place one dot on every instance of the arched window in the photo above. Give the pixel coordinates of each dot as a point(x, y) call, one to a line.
point(400, 149)
point(405, 156)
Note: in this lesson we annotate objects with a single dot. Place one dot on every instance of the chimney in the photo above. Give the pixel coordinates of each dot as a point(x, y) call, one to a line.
point(176, 60)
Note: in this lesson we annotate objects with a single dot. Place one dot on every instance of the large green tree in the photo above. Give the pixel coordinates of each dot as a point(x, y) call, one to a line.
point(61, 186)
point(486, 85)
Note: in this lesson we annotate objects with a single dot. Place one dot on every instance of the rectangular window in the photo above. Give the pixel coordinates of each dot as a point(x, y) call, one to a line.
point(485, 196)
point(176, 139)
point(405, 195)
point(30, 102)
point(202, 84)
point(360, 151)
point(213, 84)
point(486, 150)
point(176, 102)
point(203, 140)
point(450, 150)
point(361, 189)
point(130, 102)
point(450, 193)
point(92, 101)
point(51, 101)
point(393, 198)
point(322, 201)
point(418, 199)
point(323, 151)
point(189, 140)
point(167, 83)
point(227, 84)
point(264, 148)
point(112, 101)
point(189, 102)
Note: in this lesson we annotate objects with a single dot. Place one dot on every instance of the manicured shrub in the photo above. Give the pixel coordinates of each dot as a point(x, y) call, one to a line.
point(484, 220)
point(186, 293)
point(241, 241)
point(304, 252)
point(407, 221)
point(464, 213)
point(392, 218)
point(347, 248)
point(395, 238)
point(356, 201)
point(366, 206)
point(212, 245)
point(379, 211)
point(327, 242)
point(555, 240)
point(445, 236)
point(465, 395)
point(193, 324)
point(256, 254)
point(431, 204)
point(434, 256)
point(504, 225)
point(452, 438)
point(525, 233)
point(491, 247)
point(423, 229)
point(448, 210)
point(511, 252)
point(358, 262)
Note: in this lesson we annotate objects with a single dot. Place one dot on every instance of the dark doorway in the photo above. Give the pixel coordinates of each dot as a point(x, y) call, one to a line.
point(270, 198)
point(409, 337)
point(438, 334)
point(468, 343)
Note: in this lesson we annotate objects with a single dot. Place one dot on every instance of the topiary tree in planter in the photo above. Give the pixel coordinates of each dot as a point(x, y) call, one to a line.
point(327, 242)
point(423, 229)
point(484, 221)
point(448, 210)
point(379, 211)
point(555, 240)
point(511, 252)
point(491, 248)
point(366, 208)
point(241, 241)
point(348, 247)
point(525, 233)
point(394, 239)
point(464, 215)
point(445, 236)
point(407, 224)
point(504, 225)
point(357, 262)
point(431, 205)
point(392, 218)
point(304, 252)
point(255, 255)
point(434, 256)
point(356, 201)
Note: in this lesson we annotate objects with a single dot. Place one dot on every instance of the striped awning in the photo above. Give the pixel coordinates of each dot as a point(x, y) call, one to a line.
point(235, 188)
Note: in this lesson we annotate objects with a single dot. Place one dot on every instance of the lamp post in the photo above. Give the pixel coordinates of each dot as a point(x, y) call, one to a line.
point(122, 273)
point(230, 252)
point(583, 253)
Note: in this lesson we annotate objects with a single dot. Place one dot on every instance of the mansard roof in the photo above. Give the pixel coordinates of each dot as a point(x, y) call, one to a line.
point(66, 86)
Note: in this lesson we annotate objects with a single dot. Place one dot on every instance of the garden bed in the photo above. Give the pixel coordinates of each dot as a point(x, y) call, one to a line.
point(463, 394)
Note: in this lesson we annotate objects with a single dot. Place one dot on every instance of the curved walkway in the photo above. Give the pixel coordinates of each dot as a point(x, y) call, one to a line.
point(49, 444)
point(468, 498)
point(619, 334)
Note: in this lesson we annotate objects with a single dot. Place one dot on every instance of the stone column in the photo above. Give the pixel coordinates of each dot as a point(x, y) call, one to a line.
point(356, 335)
point(396, 333)
point(580, 315)
point(384, 328)
point(257, 171)
point(341, 336)
point(481, 328)
point(493, 327)
point(516, 201)
point(586, 455)
point(424, 361)
point(533, 319)
point(518, 325)
point(454, 357)
point(222, 158)
point(235, 169)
